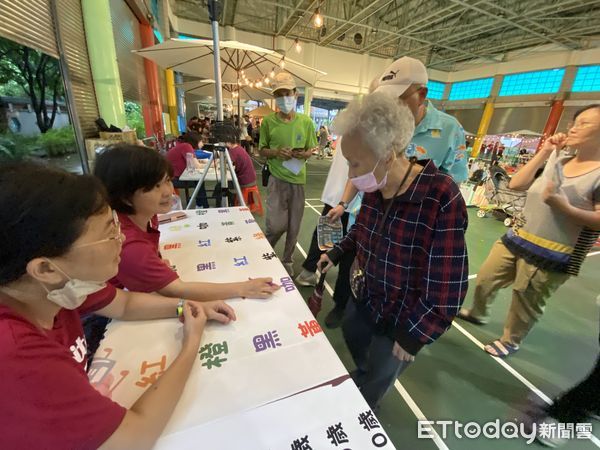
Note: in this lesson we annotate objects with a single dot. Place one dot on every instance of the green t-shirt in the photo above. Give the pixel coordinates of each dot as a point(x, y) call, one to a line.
point(297, 133)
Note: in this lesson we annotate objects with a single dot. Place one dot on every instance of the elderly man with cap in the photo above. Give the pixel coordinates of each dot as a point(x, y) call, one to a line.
point(287, 140)
point(438, 136)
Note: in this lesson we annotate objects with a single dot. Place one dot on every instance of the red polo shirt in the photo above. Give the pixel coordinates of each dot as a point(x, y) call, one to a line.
point(177, 158)
point(244, 169)
point(47, 400)
point(141, 268)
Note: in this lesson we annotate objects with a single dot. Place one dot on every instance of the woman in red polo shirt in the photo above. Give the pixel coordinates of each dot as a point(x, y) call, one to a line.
point(139, 186)
point(56, 257)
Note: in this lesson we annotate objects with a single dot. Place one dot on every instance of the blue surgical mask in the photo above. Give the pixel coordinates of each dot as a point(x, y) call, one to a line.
point(286, 104)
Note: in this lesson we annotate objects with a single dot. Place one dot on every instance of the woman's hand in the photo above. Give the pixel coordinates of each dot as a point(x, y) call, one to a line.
point(335, 213)
point(402, 354)
point(324, 263)
point(194, 319)
point(553, 198)
point(219, 311)
point(259, 288)
point(554, 143)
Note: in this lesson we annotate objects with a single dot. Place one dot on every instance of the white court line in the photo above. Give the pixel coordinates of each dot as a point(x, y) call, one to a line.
point(401, 390)
point(504, 364)
point(419, 414)
point(479, 344)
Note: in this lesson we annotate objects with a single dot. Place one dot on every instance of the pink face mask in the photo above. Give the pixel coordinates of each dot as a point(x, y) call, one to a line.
point(368, 181)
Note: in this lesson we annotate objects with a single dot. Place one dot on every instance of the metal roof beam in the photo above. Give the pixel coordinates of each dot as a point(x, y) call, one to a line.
point(509, 22)
point(453, 9)
point(359, 17)
point(531, 23)
point(295, 16)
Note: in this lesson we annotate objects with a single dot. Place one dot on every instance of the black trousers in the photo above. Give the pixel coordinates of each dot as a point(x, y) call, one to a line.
point(201, 198)
point(576, 405)
point(342, 290)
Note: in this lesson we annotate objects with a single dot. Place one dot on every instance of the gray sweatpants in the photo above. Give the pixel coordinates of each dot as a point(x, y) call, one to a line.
point(285, 208)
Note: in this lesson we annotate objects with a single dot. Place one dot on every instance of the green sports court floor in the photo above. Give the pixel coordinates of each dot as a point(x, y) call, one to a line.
point(454, 379)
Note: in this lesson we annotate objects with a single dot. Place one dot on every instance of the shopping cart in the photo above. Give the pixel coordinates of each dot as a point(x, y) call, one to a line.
point(503, 203)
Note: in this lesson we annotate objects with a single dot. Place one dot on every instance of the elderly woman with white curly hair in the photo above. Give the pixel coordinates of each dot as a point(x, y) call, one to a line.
point(410, 273)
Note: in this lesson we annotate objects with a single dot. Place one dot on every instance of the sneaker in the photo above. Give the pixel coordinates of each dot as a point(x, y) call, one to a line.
point(289, 267)
point(306, 278)
point(334, 318)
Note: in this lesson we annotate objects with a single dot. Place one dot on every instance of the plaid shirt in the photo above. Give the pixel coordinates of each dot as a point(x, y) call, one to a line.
point(416, 271)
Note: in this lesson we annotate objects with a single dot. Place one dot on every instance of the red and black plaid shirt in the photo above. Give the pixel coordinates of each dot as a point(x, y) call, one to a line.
point(416, 271)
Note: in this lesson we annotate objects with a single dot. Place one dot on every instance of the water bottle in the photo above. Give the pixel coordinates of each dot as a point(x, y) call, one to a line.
point(190, 163)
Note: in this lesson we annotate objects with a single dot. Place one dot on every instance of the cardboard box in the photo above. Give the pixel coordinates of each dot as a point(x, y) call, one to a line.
point(93, 146)
point(129, 137)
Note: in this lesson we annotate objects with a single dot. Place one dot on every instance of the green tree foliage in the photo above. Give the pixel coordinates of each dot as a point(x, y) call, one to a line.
point(135, 119)
point(37, 74)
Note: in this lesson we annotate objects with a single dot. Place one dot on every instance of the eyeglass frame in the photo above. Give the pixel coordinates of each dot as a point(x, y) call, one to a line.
point(117, 225)
point(580, 126)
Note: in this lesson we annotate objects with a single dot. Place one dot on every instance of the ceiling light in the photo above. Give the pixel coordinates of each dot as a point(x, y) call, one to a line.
point(297, 46)
point(272, 73)
point(317, 19)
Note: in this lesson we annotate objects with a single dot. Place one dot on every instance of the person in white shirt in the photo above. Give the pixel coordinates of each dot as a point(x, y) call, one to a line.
point(333, 196)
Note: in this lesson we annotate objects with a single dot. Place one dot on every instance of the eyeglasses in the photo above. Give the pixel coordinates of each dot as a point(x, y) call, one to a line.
point(116, 237)
point(580, 125)
point(410, 91)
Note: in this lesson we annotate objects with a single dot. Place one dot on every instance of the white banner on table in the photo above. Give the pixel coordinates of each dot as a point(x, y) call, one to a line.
point(273, 350)
point(327, 417)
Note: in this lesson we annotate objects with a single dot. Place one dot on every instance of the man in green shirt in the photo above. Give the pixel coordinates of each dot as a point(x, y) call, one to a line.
point(287, 140)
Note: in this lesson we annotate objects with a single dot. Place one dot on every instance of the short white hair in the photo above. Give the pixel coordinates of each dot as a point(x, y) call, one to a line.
point(385, 123)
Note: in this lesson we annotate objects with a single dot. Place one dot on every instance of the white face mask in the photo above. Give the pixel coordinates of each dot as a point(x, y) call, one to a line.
point(74, 293)
point(286, 104)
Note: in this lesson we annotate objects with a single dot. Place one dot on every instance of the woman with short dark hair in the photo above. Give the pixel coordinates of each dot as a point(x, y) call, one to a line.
point(139, 188)
point(187, 144)
point(60, 242)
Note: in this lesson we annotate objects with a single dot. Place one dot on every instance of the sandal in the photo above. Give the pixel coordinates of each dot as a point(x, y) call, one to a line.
point(501, 349)
point(464, 314)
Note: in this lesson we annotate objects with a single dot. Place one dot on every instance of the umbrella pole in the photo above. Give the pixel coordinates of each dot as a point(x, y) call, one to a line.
point(214, 10)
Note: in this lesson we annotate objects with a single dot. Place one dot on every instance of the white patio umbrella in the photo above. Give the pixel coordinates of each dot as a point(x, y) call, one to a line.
point(239, 61)
point(206, 88)
point(523, 133)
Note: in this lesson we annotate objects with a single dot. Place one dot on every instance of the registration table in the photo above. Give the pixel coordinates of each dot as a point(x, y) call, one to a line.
point(270, 380)
point(212, 175)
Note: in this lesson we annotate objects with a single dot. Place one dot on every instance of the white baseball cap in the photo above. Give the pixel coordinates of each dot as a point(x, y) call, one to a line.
point(283, 80)
point(400, 75)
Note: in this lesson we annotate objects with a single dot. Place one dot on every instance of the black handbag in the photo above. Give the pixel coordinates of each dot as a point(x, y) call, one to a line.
point(266, 173)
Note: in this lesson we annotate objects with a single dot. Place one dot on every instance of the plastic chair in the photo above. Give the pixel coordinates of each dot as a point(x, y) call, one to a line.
point(252, 199)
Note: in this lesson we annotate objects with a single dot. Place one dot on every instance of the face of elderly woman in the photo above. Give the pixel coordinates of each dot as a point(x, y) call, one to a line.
point(361, 159)
point(584, 132)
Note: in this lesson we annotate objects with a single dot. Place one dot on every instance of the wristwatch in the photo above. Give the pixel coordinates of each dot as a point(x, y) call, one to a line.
point(343, 204)
point(180, 307)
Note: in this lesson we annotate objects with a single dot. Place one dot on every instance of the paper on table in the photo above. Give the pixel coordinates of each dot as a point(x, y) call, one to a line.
point(309, 416)
point(294, 165)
